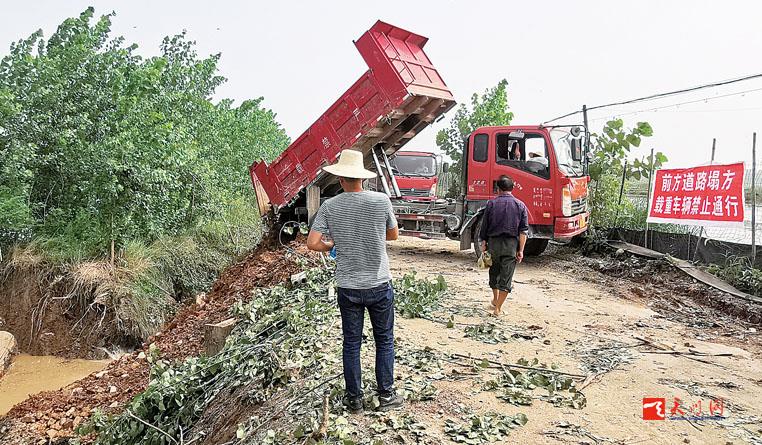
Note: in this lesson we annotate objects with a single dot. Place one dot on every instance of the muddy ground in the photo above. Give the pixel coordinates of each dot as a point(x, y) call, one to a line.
point(619, 319)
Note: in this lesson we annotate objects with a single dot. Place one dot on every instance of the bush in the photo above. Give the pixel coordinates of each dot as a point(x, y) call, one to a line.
point(739, 272)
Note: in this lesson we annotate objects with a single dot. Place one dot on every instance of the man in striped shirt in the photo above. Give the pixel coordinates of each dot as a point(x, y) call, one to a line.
point(358, 223)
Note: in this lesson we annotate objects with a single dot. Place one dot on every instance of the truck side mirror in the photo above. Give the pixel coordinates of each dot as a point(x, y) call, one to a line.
point(445, 167)
point(576, 149)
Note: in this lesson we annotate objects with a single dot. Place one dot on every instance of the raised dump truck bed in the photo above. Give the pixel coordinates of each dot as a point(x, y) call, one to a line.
point(399, 95)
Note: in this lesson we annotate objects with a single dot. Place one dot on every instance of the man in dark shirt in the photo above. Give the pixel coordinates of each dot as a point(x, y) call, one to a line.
point(504, 234)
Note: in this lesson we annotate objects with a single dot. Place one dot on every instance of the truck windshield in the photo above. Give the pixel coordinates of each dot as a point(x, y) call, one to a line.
point(413, 165)
point(563, 146)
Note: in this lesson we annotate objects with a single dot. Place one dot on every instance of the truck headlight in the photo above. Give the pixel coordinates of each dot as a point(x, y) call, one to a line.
point(433, 190)
point(566, 201)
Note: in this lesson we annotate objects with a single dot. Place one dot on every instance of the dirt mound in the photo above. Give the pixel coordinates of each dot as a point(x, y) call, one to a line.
point(55, 414)
point(662, 279)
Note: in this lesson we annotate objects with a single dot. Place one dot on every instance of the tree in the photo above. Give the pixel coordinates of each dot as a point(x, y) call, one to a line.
point(613, 146)
point(102, 145)
point(612, 160)
point(491, 108)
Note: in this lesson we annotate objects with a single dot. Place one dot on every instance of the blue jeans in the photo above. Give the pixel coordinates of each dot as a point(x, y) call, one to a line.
point(380, 304)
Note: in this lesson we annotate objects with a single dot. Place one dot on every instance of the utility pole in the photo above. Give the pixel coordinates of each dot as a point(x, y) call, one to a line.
point(753, 199)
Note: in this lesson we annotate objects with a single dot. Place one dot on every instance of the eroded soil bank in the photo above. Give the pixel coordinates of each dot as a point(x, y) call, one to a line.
point(50, 416)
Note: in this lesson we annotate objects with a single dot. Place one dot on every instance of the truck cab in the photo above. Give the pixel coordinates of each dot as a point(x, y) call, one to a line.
point(547, 166)
point(417, 175)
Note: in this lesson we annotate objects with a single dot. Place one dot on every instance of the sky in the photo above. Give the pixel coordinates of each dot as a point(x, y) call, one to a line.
point(556, 56)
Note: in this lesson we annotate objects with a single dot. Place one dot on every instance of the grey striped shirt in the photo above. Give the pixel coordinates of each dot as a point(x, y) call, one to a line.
point(357, 223)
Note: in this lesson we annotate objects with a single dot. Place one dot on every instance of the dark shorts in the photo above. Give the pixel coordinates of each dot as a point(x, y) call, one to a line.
point(503, 250)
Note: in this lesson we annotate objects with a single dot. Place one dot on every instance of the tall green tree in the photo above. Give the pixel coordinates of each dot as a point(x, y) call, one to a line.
point(489, 108)
point(102, 145)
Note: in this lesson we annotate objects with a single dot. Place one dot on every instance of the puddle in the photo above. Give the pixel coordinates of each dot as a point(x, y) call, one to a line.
point(30, 374)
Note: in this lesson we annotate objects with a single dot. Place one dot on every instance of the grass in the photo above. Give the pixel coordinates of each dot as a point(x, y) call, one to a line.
point(147, 281)
point(739, 272)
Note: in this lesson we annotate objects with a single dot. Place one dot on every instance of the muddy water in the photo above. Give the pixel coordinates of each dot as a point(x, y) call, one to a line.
point(32, 374)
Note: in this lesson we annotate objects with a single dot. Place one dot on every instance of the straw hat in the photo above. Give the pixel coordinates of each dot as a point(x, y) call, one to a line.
point(350, 165)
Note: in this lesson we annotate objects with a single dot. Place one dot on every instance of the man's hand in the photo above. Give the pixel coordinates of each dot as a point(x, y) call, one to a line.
point(519, 256)
point(484, 246)
point(315, 242)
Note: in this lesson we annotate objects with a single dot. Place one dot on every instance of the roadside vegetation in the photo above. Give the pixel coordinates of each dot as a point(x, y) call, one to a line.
point(123, 185)
point(284, 355)
point(613, 160)
point(739, 272)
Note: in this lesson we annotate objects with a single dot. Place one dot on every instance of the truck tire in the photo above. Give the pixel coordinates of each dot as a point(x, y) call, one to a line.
point(477, 240)
point(535, 246)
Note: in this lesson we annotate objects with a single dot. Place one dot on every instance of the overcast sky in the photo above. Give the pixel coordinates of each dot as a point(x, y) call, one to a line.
point(556, 56)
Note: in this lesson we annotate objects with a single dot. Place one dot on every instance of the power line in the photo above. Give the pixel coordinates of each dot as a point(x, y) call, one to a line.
point(706, 99)
point(662, 95)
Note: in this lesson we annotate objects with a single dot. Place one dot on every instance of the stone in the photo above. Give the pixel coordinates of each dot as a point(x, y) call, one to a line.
point(8, 348)
point(142, 355)
point(28, 418)
point(101, 374)
point(52, 433)
point(112, 389)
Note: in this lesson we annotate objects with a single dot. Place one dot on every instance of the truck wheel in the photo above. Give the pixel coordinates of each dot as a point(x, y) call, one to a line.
point(535, 246)
point(477, 240)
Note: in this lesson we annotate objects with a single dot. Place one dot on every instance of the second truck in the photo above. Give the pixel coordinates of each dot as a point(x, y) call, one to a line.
point(401, 94)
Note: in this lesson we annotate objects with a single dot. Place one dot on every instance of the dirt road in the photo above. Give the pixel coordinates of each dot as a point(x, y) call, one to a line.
point(585, 324)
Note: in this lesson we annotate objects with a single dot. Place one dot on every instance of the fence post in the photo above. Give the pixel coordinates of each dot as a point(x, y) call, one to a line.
point(648, 197)
point(701, 232)
point(621, 191)
point(753, 199)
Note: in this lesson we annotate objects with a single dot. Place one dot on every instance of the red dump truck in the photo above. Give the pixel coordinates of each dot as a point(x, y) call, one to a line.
point(399, 95)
